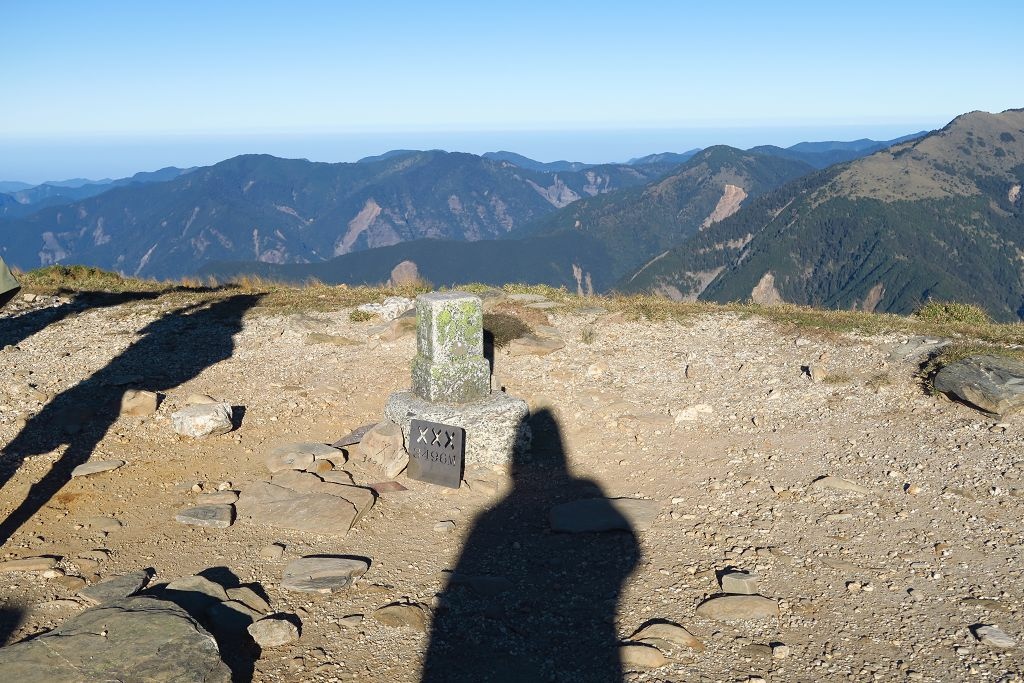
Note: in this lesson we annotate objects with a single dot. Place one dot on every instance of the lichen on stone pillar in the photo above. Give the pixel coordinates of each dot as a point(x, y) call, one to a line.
point(450, 366)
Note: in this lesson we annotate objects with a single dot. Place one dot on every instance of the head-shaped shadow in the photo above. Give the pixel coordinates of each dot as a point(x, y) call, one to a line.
point(10, 619)
point(168, 352)
point(524, 603)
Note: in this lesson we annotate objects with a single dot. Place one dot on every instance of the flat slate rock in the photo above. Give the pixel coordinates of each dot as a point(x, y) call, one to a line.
point(603, 514)
point(299, 456)
point(116, 588)
point(215, 516)
point(95, 467)
point(992, 384)
point(29, 564)
point(320, 507)
point(145, 639)
point(401, 614)
point(738, 607)
point(839, 484)
point(353, 437)
point(666, 632)
point(322, 573)
point(534, 345)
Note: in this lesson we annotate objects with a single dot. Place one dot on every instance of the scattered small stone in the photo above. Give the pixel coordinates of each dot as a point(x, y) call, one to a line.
point(139, 403)
point(993, 636)
point(198, 421)
point(839, 484)
point(274, 551)
point(29, 564)
point(384, 446)
point(216, 516)
point(402, 614)
point(322, 574)
point(70, 583)
point(641, 656)
point(200, 400)
point(692, 413)
point(200, 586)
point(912, 489)
point(447, 526)
point(116, 588)
point(103, 524)
point(391, 308)
point(351, 620)
point(667, 632)
point(95, 467)
point(353, 437)
point(320, 467)
point(217, 498)
point(780, 651)
point(534, 345)
point(291, 456)
point(738, 607)
point(817, 373)
point(274, 631)
point(742, 583)
point(249, 597)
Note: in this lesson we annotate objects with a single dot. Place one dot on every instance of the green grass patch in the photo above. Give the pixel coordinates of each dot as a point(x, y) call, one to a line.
point(953, 312)
point(502, 328)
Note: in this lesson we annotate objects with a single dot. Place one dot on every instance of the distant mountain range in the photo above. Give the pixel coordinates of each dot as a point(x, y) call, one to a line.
point(588, 245)
point(268, 209)
point(938, 217)
point(29, 199)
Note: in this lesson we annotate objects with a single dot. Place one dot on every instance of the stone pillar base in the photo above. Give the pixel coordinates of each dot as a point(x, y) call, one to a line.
point(496, 427)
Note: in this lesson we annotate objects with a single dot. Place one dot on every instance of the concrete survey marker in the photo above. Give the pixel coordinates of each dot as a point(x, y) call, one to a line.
point(449, 366)
point(436, 453)
point(451, 385)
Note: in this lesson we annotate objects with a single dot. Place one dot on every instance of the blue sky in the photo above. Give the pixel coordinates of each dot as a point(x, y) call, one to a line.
point(111, 87)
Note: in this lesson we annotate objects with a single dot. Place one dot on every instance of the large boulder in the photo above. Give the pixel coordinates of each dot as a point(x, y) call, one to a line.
point(130, 640)
point(993, 384)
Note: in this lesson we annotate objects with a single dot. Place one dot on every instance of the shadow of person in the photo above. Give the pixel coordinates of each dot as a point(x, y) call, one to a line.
point(10, 619)
point(524, 603)
point(168, 352)
point(15, 328)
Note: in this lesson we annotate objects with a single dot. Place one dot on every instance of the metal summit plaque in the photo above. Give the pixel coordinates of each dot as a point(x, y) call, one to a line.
point(436, 453)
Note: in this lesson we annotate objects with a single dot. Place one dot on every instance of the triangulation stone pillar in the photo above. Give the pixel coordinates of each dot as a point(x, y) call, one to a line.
point(451, 382)
point(449, 366)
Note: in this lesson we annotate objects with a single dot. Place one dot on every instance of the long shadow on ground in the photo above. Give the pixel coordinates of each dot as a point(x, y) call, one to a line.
point(16, 328)
point(170, 351)
point(526, 604)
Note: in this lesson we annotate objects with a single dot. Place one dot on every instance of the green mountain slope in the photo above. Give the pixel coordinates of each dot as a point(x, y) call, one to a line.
point(275, 210)
point(637, 224)
point(574, 261)
point(939, 217)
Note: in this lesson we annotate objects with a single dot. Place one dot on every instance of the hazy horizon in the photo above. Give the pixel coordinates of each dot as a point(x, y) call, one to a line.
point(36, 161)
point(109, 89)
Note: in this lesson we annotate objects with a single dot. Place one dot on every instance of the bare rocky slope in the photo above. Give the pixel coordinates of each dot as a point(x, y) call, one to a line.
point(885, 572)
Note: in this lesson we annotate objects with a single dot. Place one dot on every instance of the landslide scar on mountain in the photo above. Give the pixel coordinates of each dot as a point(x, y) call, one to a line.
point(363, 220)
point(728, 204)
point(764, 291)
point(558, 194)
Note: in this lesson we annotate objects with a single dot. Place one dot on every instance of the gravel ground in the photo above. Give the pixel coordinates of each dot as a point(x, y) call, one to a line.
point(715, 418)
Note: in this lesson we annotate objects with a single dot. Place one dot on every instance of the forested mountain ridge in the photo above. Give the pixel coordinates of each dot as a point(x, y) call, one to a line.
point(275, 210)
point(938, 217)
point(637, 224)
